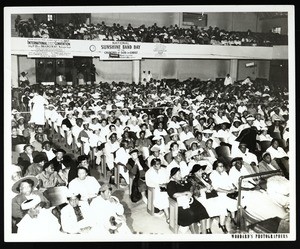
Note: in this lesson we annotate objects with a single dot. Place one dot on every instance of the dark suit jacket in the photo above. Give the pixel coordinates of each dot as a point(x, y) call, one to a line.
point(24, 160)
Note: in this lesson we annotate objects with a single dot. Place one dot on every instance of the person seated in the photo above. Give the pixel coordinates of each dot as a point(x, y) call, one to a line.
point(138, 168)
point(87, 186)
point(37, 218)
point(243, 151)
point(57, 160)
point(76, 217)
point(37, 166)
point(49, 178)
point(16, 138)
point(121, 159)
point(205, 193)
point(111, 219)
point(48, 150)
point(155, 153)
point(275, 150)
point(25, 188)
point(190, 210)
point(267, 163)
point(38, 141)
point(143, 144)
point(16, 174)
point(157, 178)
point(26, 157)
point(222, 183)
point(178, 161)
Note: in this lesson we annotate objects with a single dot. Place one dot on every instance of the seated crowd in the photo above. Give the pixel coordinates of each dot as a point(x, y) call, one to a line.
point(154, 33)
point(189, 140)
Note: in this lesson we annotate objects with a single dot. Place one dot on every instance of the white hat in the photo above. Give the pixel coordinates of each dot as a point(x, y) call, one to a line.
point(250, 117)
point(155, 148)
point(265, 128)
point(156, 137)
point(31, 203)
point(207, 131)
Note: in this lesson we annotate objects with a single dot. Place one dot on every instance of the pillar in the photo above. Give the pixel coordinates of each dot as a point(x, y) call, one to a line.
point(136, 71)
point(234, 69)
point(14, 71)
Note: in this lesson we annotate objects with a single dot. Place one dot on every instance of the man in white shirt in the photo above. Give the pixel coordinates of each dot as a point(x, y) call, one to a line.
point(108, 212)
point(180, 163)
point(243, 151)
point(228, 80)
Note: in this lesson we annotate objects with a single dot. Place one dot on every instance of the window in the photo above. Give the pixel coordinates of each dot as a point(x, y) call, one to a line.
point(49, 18)
point(276, 30)
point(194, 19)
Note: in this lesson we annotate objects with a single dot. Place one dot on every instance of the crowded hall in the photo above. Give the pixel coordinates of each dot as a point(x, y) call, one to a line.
point(150, 123)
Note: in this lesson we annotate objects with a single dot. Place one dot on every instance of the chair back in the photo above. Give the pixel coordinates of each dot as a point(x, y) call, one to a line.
point(223, 151)
point(264, 145)
point(150, 206)
point(56, 195)
point(173, 225)
point(19, 148)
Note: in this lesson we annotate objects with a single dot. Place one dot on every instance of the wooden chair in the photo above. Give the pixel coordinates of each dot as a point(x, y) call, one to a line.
point(223, 151)
point(103, 166)
point(173, 225)
point(264, 145)
point(131, 177)
point(19, 148)
point(150, 198)
point(117, 175)
point(56, 195)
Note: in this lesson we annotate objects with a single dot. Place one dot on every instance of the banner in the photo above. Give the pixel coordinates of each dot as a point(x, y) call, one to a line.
point(122, 50)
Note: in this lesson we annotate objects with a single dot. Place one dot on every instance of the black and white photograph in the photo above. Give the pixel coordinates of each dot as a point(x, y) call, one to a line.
point(149, 123)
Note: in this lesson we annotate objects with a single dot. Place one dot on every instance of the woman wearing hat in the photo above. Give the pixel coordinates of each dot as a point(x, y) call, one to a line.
point(76, 216)
point(25, 189)
point(207, 196)
point(49, 178)
point(37, 219)
point(26, 157)
point(190, 211)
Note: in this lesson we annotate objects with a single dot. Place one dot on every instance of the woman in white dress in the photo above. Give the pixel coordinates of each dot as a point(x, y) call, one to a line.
point(222, 183)
point(157, 178)
point(37, 106)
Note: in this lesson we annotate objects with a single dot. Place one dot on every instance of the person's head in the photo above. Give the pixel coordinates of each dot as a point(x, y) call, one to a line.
point(174, 137)
point(16, 173)
point(79, 121)
point(28, 149)
point(178, 157)
point(174, 146)
point(209, 143)
point(198, 169)
point(85, 125)
point(48, 167)
point(83, 161)
point(39, 137)
point(39, 129)
point(14, 131)
point(59, 153)
point(218, 166)
point(156, 163)
point(199, 136)
point(82, 173)
point(40, 160)
point(105, 191)
point(237, 162)
point(113, 137)
point(175, 174)
point(275, 143)
point(194, 146)
point(243, 147)
point(142, 134)
point(134, 154)
point(46, 145)
point(26, 186)
point(73, 199)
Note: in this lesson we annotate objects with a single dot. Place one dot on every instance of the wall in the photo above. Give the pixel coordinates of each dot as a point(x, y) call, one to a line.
point(261, 70)
point(28, 65)
point(183, 69)
point(13, 18)
point(266, 25)
point(113, 70)
point(136, 19)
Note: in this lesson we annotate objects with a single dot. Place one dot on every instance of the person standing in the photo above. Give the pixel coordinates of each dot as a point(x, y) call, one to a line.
point(37, 108)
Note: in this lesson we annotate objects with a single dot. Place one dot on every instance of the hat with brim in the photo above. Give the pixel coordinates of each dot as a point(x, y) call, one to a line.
point(197, 167)
point(133, 151)
point(155, 138)
point(236, 159)
point(155, 148)
point(17, 184)
point(105, 187)
point(207, 131)
point(31, 203)
point(250, 118)
point(174, 171)
point(60, 150)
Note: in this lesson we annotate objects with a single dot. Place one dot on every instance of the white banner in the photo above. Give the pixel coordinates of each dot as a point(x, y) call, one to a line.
point(122, 50)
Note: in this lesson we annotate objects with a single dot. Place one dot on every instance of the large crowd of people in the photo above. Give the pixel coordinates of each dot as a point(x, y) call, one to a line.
point(189, 140)
point(172, 34)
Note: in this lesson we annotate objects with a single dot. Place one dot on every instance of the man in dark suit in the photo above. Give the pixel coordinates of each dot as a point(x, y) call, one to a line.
point(26, 157)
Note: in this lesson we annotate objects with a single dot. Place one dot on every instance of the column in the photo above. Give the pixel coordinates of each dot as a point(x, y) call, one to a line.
point(234, 69)
point(136, 71)
point(14, 71)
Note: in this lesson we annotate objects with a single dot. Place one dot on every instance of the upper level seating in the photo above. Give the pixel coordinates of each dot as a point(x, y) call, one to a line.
point(171, 34)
